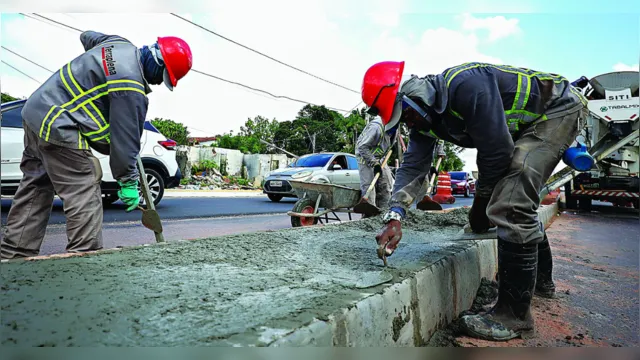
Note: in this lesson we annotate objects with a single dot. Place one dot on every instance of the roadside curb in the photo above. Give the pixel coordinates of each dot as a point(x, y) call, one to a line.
point(410, 312)
point(213, 193)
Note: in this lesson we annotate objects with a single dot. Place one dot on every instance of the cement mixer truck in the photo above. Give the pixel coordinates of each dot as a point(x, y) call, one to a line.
point(611, 135)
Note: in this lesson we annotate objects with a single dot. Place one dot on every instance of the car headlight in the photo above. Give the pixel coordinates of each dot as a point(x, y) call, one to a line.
point(302, 174)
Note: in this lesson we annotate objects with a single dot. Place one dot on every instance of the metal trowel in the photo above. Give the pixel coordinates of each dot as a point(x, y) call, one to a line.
point(373, 278)
point(150, 217)
point(151, 220)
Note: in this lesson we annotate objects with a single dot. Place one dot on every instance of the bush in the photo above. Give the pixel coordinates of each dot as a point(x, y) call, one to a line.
point(204, 165)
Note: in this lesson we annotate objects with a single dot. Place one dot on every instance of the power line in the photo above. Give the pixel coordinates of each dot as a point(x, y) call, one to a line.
point(64, 27)
point(24, 58)
point(265, 55)
point(59, 23)
point(21, 72)
point(222, 79)
point(258, 90)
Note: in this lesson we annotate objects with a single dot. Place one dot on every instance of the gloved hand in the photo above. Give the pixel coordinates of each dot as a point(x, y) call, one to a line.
point(388, 238)
point(377, 169)
point(128, 193)
point(478, 219)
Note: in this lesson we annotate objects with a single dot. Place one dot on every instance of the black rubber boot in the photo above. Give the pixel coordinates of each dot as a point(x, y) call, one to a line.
point(544, 282)
point(511, 316)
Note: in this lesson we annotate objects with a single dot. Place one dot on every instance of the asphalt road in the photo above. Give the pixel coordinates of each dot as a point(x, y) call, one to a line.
point(183, 219)
point(192, 208)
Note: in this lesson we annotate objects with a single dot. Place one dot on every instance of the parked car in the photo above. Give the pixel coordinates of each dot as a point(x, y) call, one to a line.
point(329, 168)
point(158, 156)
point(462, 183)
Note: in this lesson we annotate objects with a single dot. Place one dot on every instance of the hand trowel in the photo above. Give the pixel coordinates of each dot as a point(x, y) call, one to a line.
point(150, 217)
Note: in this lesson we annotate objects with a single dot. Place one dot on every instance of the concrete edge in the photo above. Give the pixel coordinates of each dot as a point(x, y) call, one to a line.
point(410, 312)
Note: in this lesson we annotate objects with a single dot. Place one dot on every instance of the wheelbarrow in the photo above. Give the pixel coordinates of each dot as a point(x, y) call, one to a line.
point(318, 200)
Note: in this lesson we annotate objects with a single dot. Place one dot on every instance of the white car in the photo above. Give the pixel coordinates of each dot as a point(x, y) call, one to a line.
point(328, 168)
point(157, 153)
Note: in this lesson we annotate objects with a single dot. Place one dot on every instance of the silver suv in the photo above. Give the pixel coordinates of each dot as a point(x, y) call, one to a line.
point(328, 168)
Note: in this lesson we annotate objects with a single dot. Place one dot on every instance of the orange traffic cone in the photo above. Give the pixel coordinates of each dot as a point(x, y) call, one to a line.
point(443, 190)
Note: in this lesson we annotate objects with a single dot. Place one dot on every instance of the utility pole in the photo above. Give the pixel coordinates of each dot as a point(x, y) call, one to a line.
point(275, 147)
point(312, 139)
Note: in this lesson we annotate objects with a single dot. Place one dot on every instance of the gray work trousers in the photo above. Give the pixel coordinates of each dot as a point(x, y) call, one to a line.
point(73, 174)
point(516, 198)
point(381, 192)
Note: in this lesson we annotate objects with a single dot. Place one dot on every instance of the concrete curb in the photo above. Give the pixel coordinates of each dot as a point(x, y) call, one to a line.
point(213, 193)
point(409, 313)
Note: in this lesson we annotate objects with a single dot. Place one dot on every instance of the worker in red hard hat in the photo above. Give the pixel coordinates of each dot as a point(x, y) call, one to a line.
point(96, 101)
point(520, 121)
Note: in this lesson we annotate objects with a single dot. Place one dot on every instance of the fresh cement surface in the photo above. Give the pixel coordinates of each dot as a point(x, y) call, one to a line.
point(228, 290)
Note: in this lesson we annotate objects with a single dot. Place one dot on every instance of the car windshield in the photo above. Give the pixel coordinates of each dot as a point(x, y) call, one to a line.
point(457, 175)
point(319, 160)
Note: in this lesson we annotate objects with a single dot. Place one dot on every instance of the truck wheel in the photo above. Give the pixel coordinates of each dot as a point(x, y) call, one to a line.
point(585, 204)
point(274, 197)
point(303, 206)
point(570, 201)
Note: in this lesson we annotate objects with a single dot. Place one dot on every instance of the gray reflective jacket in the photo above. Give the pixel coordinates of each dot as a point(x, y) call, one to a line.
point(481, 106)
point(98, 100)
point(373, 143)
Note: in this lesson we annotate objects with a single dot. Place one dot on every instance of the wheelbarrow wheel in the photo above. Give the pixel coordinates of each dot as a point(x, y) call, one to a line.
point(303, 206)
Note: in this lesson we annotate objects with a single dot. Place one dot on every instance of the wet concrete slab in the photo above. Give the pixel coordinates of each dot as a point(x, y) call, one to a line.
point(230, 290)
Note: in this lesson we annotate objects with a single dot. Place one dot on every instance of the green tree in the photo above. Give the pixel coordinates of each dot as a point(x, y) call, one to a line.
point(6, 98)
point(173, 130)
point(452, 161)
point(260, 128)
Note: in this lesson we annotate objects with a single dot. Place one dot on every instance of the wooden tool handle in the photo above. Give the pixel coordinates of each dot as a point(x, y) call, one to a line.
point(375, 178)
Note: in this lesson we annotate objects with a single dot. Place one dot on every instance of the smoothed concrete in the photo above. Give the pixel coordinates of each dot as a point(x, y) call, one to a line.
point(293, 287)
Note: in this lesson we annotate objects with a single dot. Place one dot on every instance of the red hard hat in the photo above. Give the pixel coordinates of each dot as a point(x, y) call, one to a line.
point(177, 58)
point(380, 87)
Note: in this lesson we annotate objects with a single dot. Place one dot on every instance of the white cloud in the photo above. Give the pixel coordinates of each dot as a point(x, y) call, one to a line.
point(299, 33)
point(624, 67)
point(498, 26)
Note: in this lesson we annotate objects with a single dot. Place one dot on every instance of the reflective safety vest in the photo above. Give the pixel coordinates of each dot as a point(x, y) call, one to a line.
point(74, 107)
point(528, 95)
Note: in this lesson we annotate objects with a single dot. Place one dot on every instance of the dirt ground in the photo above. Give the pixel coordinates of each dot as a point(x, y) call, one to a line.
point(596, 275)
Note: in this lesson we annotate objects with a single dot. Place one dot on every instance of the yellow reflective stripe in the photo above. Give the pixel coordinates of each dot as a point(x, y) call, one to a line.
point(66, 84)
point(72, 78)
point(45, 120)
point(87, 101)
point(105, 93)
point(91, 116)
point(51, 122)
point(517, 97)
point(104, 122)
point(456, 114)
point(526, 113)
point(79, 140)
point(461, 70)
point(97, 131)
point(102, 86)
point(527, 93)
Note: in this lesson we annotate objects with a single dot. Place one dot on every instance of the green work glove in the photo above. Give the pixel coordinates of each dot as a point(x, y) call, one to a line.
point(128, 193)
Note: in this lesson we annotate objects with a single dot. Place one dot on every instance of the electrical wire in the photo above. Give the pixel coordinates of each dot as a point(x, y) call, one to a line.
point(219, 78)
point(259, 90)
point(24, 58)
point(21, 72)
point(265, 55)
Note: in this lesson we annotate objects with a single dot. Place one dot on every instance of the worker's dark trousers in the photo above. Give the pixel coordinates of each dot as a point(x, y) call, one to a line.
point(75, 176)
point(516, 197)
